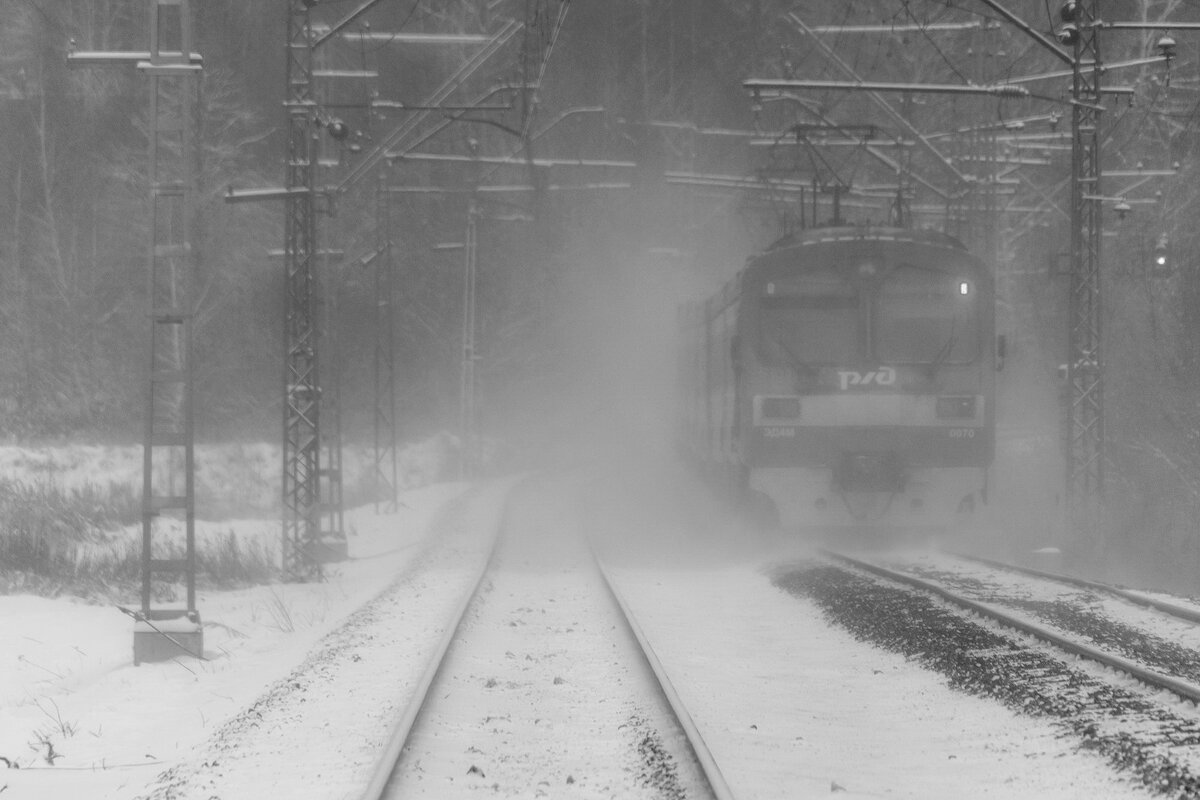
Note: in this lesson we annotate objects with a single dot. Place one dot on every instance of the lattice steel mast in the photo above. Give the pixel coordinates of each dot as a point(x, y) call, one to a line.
point(301, 385)
point(312, 478)
point(168, 441)
point(1084, 428)
point(1085, 366)
point(168, 485)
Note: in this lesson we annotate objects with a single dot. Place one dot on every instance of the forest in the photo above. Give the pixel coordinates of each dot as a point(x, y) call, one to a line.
point(655, 85)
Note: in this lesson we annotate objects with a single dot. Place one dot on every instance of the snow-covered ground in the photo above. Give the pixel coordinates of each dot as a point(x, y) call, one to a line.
point(543, 694)
point(791, 707)
point(67, 681)
point(302, 682)
point(995, 585)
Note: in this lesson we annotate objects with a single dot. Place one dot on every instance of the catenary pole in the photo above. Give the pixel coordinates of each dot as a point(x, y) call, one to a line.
point(1085, 364)
point(168, 464)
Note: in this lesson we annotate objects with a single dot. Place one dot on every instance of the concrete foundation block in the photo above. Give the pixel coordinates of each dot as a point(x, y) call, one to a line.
point(167, 638)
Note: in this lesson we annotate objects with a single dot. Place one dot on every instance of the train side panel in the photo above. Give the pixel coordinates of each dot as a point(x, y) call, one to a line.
point(709, 397)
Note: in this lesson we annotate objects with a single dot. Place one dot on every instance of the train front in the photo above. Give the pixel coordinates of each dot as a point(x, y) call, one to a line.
point(866, 371)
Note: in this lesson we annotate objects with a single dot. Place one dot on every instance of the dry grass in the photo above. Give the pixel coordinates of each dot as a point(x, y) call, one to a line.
point(60, 533)
point(55, 541)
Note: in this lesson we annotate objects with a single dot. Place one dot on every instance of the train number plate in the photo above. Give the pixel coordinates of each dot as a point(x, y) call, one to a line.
point(962, 433)
point(779, 432)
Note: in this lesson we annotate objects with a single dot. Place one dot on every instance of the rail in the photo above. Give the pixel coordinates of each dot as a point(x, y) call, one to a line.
point(708, 764)
point(1150, 677)
point(385, 765)
point(1182, 612)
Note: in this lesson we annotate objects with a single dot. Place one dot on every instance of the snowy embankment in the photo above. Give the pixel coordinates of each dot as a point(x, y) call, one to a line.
point(81, 721)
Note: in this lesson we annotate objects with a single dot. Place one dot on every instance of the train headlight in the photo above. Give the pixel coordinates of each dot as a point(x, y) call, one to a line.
point(955, 407)
point(781, 407)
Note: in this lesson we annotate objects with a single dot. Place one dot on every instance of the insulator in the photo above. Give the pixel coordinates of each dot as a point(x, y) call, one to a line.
point(1068, 34)
point(338, 129)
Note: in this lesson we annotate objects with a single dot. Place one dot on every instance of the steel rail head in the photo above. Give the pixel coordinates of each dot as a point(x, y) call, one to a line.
point(390, 753)
point(708, 764)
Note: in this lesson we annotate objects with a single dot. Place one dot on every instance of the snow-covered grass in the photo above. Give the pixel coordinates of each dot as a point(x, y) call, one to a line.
point(53, 537)
point(70, 515)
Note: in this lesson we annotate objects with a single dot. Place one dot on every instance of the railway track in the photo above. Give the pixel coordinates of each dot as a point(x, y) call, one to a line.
point(536, 688)
point(403, 728)
point(1135, 597)
point(712, 770)
point(1056, 653)
point(1184, 680)
point(501, 694)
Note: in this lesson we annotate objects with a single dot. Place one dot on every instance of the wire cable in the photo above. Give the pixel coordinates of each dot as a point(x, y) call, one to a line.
point(922, 26)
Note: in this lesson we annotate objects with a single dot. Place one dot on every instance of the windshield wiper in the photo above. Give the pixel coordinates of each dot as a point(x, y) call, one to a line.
point(944, 353)
point(805, 372)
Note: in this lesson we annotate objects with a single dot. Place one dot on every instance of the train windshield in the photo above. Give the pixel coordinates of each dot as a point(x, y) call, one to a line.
point(810, 319)
point(925, 316)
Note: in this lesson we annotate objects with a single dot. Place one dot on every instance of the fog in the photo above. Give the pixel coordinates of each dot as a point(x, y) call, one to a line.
point(614, 316)
point(609, 414)
point(604, 168)
point(579, 294)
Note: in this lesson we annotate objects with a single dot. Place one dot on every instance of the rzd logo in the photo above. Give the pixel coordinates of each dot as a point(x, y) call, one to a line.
point(884, 376)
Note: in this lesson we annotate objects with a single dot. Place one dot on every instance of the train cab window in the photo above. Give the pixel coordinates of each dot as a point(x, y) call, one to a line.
point(809, 319)
point(925, 316)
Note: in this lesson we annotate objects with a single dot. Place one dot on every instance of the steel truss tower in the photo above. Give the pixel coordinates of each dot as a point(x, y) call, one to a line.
point(168, 485)
point(1085, 367)
point(979, 202)
point(312, 531)
point(308, 538)
point(982, 222)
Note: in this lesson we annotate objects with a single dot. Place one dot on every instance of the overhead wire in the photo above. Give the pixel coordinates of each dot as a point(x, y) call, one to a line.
point(1127, 123)
point(830, 100)
point(377, 46)
point(1121, 120)
point(564, 5)
point(923, 28)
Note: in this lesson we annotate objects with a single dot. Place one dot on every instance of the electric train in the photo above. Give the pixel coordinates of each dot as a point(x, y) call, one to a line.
point(845, 379)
